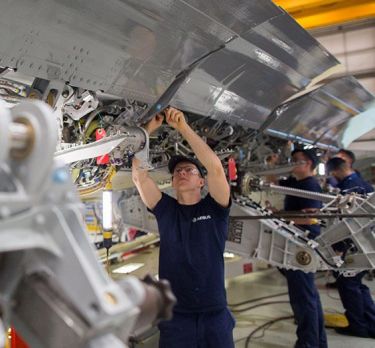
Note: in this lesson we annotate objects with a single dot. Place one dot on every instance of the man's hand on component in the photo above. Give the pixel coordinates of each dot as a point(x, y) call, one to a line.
point(152, 125)
point(175, 118)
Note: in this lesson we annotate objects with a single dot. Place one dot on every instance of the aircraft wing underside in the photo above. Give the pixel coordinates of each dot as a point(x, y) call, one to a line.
point(231, 61)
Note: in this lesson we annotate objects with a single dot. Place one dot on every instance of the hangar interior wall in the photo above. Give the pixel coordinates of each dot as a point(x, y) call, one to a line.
point(355, 48)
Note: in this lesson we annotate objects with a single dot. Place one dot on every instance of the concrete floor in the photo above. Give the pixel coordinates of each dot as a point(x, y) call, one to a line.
point(282, 333)
point(251, 287)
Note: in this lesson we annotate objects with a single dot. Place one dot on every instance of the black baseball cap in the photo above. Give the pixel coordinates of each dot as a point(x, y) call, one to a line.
point(310, 154)
point(178, 158)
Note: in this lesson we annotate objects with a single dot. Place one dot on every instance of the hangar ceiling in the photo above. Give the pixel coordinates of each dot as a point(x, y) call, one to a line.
point(312, 14)
point(346, 28)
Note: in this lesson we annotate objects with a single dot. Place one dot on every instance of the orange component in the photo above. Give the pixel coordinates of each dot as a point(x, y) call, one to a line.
point(232, 170)
point(15, 340)
point(100, 133)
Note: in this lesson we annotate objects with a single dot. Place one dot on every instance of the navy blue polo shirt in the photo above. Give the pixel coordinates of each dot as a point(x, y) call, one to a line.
point(354, 183)
point(192, 241)
point(292, 203)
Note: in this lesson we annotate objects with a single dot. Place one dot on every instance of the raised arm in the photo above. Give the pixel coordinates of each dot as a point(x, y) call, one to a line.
point(216, 179)
point(146, 187)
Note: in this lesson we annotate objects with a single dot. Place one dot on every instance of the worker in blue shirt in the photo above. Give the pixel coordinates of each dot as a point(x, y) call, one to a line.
point(349, 157)
point(303, 294)
point(192, 231)
point(351, 180)
point(355, 296)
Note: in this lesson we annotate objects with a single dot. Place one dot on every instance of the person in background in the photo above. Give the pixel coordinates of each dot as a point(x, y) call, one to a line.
point(350, 179)
point(347, 155)
point(303, 294)
point(355, 296)
point(192, 232)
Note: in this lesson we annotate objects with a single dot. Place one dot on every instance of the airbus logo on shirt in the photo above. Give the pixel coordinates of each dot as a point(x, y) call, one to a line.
point(200, 218)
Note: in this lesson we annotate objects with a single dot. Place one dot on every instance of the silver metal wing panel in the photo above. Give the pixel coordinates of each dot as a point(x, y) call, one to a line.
point(255, 73)
point(321, 117)
point(131, 49)
point(255, 57)
point(240, 15)
point(135, 49)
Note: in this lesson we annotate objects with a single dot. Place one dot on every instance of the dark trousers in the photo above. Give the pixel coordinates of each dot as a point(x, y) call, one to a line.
point(198, 330)
point(307, 309)
point(358, 303)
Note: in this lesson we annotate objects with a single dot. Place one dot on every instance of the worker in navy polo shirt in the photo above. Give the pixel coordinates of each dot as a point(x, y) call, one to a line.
point(355, 296)
point(354, 176)
point(303, 294)
point(349, 157)
point(192, 231)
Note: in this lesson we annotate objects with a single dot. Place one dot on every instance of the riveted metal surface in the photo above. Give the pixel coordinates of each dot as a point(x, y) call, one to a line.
point(125, 48)
point(249, 57)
